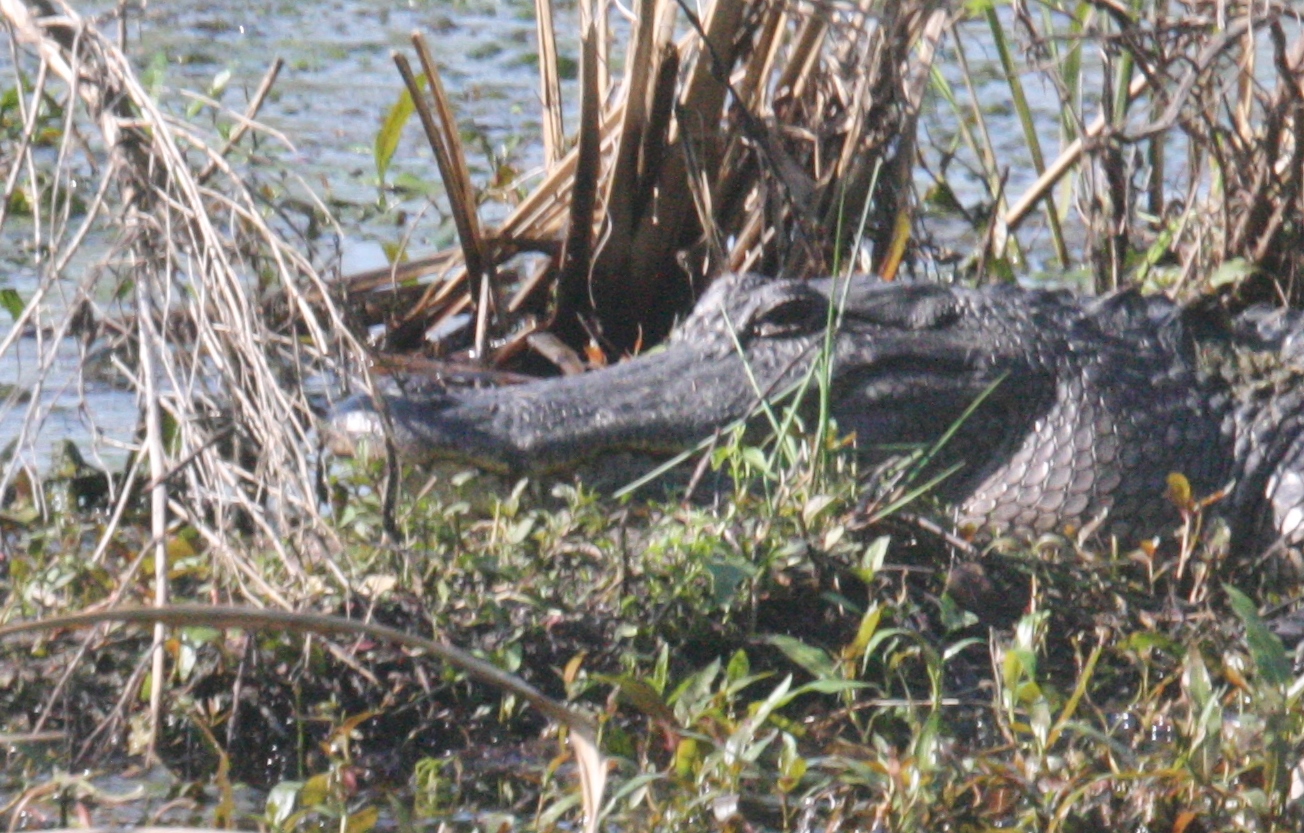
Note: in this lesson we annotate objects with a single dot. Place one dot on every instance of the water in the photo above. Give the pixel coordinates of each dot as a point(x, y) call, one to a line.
point(340, 78)
point(339, 81)
point(329, 101)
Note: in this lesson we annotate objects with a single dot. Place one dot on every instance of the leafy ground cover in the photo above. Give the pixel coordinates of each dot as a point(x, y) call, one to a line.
point(755, 660)
point(770, 654)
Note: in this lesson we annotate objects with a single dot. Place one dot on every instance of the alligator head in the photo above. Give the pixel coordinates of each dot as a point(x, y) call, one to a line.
point(1061, 437)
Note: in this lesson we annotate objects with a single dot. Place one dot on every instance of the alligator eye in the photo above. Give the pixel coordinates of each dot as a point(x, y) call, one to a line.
point(791, 317)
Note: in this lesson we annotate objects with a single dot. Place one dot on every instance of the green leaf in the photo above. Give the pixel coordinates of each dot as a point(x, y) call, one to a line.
point(743, 745)
point(755, 458)
point(792, 766)
point(12, 302)
point(201, 634)
point(315, 791)
point(727, 575)
point(281, 801)
point(739, 666)
point(1206, 729)
point(814, 507)
point(519, 531)
point(954, 617)
point(641, 695)
point(1146, 641)
point(697, 688)
point(816, 661)
point(871, 560)
point(220, 81)
point(1266, 650)
point(1196, 680)
point(688, 758)
point(830, 687)
point(391, 129)
point(1232, 271)
point(1020, 665)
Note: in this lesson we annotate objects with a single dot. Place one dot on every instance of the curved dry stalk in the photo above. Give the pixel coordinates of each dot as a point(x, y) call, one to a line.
point(184, 260)
point(581, 730)
point(194, 243)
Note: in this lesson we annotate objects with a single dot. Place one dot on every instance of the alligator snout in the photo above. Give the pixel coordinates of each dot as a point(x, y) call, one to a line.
point(1087, 406)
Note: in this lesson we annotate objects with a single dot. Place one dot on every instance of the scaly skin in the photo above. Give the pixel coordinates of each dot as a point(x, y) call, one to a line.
point(1093, 403)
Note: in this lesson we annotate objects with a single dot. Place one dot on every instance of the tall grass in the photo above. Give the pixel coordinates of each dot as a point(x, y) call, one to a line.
point(1160, 142)
point(1147, 144)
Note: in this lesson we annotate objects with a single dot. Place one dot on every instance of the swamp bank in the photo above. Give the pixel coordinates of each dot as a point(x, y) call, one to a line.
point(782, 636)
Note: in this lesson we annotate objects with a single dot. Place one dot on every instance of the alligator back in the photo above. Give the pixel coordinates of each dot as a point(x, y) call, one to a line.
point(1087, 406)
point(1265, 369)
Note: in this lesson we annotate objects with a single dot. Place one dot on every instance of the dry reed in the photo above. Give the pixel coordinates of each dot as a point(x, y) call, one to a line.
point(178, 295)
point(785, 137)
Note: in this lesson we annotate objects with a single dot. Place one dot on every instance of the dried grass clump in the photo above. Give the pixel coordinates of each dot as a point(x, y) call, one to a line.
point(753, 140)
point(1180, 165)
point(177, 294)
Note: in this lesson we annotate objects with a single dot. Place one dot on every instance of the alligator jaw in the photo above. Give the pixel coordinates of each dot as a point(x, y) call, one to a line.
point(742, 344)
point(659, 403)
point(1098, 401)
point(656, 404)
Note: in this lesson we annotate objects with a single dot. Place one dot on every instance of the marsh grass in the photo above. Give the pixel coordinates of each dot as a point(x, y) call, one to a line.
point(754, 662)
point(1157, 140)
point(751, 662)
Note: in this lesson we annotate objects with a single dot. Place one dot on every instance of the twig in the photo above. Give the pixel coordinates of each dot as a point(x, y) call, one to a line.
point(1066, 160)
point(554, 135)
point(251, 112)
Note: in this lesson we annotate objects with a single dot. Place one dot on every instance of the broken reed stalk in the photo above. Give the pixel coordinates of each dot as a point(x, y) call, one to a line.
point(903, 171)
point(620, 187)
point(444, 136)
point(678, 165)
point(440, 136)
point(591, 766)
point(572, 277)
point(554, 134)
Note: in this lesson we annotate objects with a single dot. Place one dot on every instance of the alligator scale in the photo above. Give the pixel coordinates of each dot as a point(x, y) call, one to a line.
point(1089, 404)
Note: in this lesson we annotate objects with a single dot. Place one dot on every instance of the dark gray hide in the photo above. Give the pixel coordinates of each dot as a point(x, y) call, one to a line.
point(1098, 401)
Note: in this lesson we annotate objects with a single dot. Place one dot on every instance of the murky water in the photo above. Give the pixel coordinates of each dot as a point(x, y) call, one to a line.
point(338, 82)
point(340, 79)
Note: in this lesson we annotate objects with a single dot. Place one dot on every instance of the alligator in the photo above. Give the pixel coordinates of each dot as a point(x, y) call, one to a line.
point(1076, 411)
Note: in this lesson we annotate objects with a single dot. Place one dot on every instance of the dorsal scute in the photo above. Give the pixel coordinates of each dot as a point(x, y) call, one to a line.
point(902, 306)
point(1273, 330)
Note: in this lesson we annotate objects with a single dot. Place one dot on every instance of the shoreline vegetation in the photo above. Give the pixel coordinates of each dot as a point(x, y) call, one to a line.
point(751, 661)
